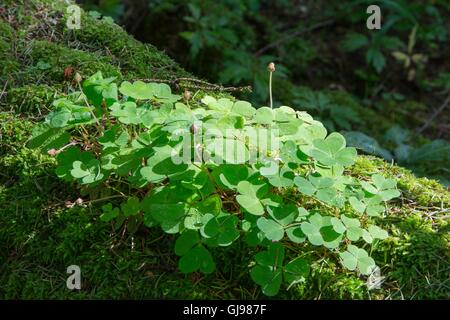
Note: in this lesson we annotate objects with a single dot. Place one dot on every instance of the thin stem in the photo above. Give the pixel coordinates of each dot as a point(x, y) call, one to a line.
point(92, 113)
point(270, 90)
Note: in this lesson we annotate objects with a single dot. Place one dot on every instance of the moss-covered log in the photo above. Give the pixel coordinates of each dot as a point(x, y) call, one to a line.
point(42, 230)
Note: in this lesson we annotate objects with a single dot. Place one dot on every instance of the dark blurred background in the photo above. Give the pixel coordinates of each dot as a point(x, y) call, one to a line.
point(387, 90)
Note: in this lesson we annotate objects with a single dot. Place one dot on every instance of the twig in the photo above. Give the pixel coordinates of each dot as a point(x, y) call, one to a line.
point(197, 84)
point(292, 35)
point(435, 114)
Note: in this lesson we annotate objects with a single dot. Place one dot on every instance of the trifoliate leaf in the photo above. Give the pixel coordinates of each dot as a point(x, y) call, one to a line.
point(109, 213)
point(136, 90)
point(271, 229)
point(197, 258)
point(186, 241)
point(131, 207)
point(296, 270)
point(356, 257)
point(332, 151)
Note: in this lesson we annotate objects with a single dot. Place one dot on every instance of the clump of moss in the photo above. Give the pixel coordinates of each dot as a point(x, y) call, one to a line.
point(31, 99)
point(135, 58)
point(59, 58)
point(415, 256)
point(8, 62)
point(421, 191)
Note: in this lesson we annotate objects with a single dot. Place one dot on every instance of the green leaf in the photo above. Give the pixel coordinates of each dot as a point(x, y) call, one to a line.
point(304, 186)
point(212, 205)
point(295, 234)
point(244, 108)
point(109, 213)
point(96, 89)
point(271, 229)
point(136, 90)
point(127, 113)
point(86, 170)
point(376, 58)
point(186, 241)
point(332, 151)
point(354, 41)
point(224, 150)
point(221, 231)
point(161, 165)
point(229, 175)
point(356, 257)
point(354, 230)
point(338, 226)
point(222, 105)
point(273, 257)
point(250, 195)
point(131, 207)
point(59, 119)
point(284, 214)
point(268, 272)
point(357, 204)
point(385, 188)
point(377, 233)
point(250, 204)
point(45, 137)
point(283, 178)
point(367, 236)
point(269, 280)
point(312, 231)
point(349, 260)
point(197, 258)
point(163, 93)
point(296, 270)
point(264, 115)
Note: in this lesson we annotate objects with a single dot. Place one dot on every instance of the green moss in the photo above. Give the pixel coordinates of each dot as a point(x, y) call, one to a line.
point(32, 99)
point(140, 60)
point(60, 57)
point(416, 256)
point(8, 62)
point(421, 191)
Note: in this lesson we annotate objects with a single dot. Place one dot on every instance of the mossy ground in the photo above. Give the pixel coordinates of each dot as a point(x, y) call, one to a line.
point(41, 233)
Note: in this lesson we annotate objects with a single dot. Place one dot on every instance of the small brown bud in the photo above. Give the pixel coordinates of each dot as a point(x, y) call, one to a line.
point(187, 95)
point(193, 129)
point(271, 67)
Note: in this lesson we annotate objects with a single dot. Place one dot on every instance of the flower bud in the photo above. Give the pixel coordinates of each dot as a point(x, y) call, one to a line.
point(77, 77)
point(193, 129)
point(53, 152)
point(186, 95)
point(271, 67)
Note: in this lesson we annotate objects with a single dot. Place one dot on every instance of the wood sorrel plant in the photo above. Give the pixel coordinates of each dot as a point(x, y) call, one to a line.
point(120, 143)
